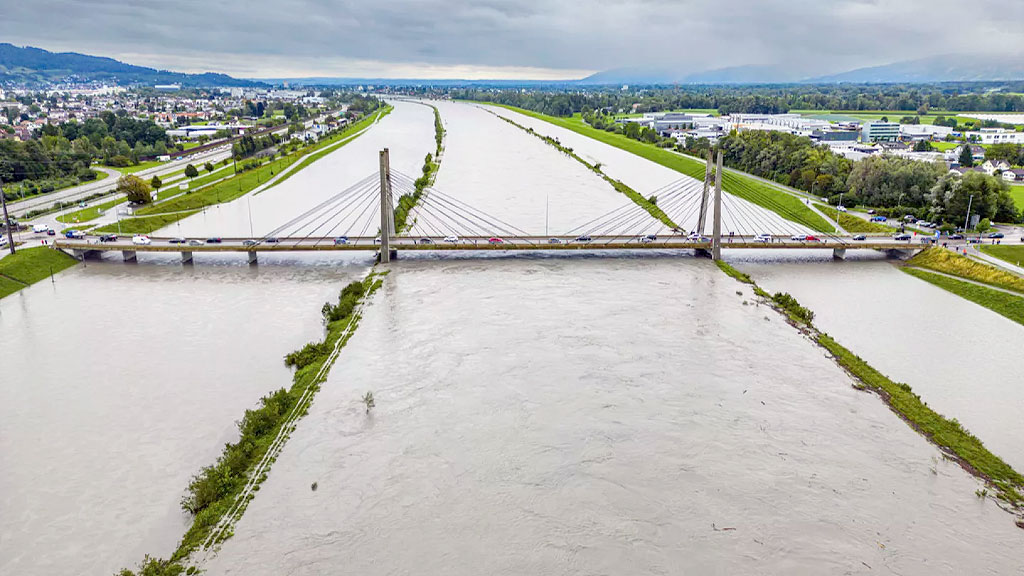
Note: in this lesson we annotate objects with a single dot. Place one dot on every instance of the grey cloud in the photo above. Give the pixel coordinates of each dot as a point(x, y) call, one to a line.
point(808, 35)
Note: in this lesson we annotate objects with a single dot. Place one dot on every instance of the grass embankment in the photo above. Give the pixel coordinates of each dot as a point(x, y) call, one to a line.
point(853, 224)
point(637, 198)
point(1007, 305)
point(431, 164)
point(226, 190)
point(90, 213)
point(30, 265)
point(946, 433)
point(948, 262)
point(218, 494)
point(1012, 254)
point(323, 148)
point(750, 189)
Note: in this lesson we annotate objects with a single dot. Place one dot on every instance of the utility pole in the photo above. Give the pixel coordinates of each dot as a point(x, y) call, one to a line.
point(7, 219)
point(716, 247)
point(967, 219)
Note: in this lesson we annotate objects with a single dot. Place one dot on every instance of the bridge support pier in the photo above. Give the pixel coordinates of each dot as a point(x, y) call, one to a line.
point(186, 257)
point(129, 255)
point(80, 254)
point(252, 257)
point(839, 253)
point(387, 208)
point(716, 237)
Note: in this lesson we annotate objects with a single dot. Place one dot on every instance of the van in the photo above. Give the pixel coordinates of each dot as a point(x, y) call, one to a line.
point(40, 228)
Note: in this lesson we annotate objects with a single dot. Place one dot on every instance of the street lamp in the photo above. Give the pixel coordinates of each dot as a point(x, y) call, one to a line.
point(7, 219)
point(968, 217)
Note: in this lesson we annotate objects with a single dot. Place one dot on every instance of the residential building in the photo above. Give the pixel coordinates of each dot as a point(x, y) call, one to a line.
point(996, 136)
point(993, 166)
point(1013, 175)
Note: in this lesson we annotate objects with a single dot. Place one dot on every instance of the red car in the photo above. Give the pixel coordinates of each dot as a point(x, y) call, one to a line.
point(495, 240)
point(810, 238)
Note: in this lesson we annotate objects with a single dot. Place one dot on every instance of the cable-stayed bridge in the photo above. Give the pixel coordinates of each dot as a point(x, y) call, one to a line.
point(689, 214)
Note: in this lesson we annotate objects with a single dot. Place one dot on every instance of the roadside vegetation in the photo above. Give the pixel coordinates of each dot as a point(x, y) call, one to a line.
point(1007, 305)
point(948, 262)
point(30, 265)
point(218, 494)
point(152, 218)
point(431, 164)
point(853, 224)
point(1012, 254)
point(750, 189)
point(946, 433)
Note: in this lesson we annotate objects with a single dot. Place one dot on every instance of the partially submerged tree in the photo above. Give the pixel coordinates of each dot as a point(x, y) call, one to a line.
point(135, 189)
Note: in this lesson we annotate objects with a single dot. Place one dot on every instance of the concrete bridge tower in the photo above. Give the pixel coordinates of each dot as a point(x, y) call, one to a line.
point(716, 234)
point(387, 208)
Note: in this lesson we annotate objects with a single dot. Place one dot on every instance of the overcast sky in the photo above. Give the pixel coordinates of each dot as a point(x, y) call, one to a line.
point(535, 39)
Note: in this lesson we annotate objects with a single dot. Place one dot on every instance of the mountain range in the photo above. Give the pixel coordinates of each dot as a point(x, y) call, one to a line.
point(38, 67)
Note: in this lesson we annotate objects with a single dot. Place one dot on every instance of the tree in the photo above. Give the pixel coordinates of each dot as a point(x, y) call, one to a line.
point(135, 189)
point(156, 183)
point(966, 157)
point(923, 146)
point(191, 172)
point(983, 225)
point(208, 167)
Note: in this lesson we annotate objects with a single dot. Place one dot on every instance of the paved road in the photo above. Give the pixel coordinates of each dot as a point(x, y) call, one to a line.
point(19, 208)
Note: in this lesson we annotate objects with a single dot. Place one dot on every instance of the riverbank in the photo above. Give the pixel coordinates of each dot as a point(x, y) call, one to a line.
point(218, 495)
point(30, 265)
point(234, 187)
point(768, 197)
point(946, 433)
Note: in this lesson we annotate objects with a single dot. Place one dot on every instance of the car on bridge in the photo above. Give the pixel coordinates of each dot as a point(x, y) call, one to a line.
point(763, 238)
point(249, 242)
point(74, 234)
point(194, 242)
point(648, 238)
point(108, 238)
point(798, 237)
point(178, 240)
point(426, 240)
point(495, 240)
point(902, 237)
point(272, 240)
point(860, 237)
point(214, 240)
point(697, 237)
point(341, 240)
point(451, 239)
point(141, 240)
point(810, 238)
point(554, 240)
point(584, 238)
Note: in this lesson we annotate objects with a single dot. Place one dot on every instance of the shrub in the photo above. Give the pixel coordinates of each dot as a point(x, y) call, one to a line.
point(793, 308)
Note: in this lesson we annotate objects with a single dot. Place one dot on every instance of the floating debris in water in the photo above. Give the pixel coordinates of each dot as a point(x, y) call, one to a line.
point(313, 486)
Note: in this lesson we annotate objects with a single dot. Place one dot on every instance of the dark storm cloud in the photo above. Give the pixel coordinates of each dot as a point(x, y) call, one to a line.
point(394, 37)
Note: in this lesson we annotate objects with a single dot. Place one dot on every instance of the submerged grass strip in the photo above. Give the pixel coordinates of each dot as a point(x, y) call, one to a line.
point(1001, 303)
point(750, 189)
point(636, 197)
point(218, 495)
point(946, 433)
point(431, 164)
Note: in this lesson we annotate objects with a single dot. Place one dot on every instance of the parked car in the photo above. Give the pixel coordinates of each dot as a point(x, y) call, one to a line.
point(900, 237)
point(249, 242)
point(214, 240)
point(878, 218)
point(141, 240)
point(495, 240)
point(996, 235)
point(583, 238)
point(451, 239)
point(341, 240)
point(178, 240)
point(763, 238)
point(860, 237)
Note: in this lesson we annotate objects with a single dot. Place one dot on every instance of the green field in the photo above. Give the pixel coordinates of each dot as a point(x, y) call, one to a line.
point(1017, 192)
point(1001, 303)
point(1012, 254)
point(30, 265)
point(89, 213)
point(759, 193)
point(138, 167)
point(948, 262)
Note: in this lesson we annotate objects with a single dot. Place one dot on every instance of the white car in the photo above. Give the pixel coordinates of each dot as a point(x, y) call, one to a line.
point(452, 239)
point(798, 237)
point(763, 238)
point(141, 240)
point(841, 208)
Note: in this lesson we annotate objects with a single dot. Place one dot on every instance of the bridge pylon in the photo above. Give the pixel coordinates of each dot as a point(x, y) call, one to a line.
point(387, 208)
point(716, 235)
point(702, 215)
